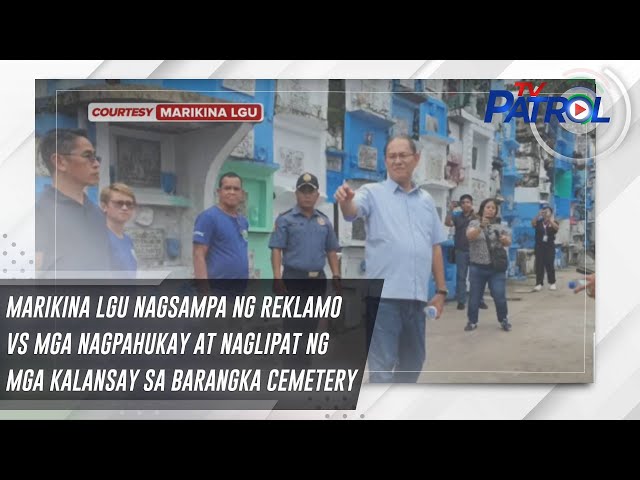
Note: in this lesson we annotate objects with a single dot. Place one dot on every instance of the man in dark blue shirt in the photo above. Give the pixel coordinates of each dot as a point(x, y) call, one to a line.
point(221, 235)
point(71, 231)
point(460, 220)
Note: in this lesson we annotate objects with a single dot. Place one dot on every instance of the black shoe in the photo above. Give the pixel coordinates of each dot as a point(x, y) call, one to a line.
point(483, 306)
point(460, 306)
point(506, 326)
point(470, 326)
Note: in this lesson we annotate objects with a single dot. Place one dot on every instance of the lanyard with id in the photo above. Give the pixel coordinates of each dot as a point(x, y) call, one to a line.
point(545, 237)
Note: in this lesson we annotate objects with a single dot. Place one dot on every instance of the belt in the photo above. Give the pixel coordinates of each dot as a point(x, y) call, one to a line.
point(487, 265)
point(303, 273)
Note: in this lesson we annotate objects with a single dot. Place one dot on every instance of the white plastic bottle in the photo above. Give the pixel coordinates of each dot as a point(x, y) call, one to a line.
point(580, 282)
point(431, 312)
point(577, 283)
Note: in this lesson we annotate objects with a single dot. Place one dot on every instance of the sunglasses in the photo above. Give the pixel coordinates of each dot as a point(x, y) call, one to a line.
point(87, 156)
point(123, 203)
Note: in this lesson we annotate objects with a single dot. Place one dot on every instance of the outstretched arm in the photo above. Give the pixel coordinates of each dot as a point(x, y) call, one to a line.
point(344, 196)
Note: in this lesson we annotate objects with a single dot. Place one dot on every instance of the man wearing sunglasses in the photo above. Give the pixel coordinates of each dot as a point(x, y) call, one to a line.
point(71, 231)
point(118, 203)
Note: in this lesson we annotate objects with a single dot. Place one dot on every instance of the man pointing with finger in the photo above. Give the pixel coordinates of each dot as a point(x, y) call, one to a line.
point(402, 247)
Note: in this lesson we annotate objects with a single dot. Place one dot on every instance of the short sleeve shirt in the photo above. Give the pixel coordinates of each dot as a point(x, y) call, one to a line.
point(478, 252)
point(227, 237)
point(304, 241)
point(402, 228)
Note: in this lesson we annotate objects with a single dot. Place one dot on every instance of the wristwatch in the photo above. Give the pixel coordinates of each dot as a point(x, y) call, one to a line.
point(442, 292)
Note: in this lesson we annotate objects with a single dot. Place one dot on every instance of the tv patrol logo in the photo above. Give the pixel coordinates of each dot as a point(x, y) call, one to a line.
point(578, 110)
point(578, 105)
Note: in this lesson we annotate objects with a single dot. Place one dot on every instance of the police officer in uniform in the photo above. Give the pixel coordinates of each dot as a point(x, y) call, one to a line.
point(303, 237)
point(301, 242)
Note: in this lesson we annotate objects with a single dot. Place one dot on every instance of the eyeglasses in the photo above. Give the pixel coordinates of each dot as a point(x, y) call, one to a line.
point(123, 203)
point(89, 156)
point(401, 156)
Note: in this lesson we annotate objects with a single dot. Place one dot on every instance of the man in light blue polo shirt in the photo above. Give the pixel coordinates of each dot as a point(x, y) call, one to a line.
point(402, 247)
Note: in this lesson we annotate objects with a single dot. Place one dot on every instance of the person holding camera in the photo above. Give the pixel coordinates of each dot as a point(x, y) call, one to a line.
point(461, 221)
point(487, 236)
point(546, 228)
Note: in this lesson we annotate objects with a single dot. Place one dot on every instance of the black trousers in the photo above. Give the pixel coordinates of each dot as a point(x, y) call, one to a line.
point(299, 283)
point(545, 258)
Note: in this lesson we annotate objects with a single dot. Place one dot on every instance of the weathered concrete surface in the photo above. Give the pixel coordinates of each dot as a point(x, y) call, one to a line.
point(551, 340)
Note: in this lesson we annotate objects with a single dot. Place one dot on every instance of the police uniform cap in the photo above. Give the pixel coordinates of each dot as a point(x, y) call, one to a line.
point(307, 179)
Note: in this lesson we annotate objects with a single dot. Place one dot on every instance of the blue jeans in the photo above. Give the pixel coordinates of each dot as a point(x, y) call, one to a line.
point(462, 268)
point(479, 276)
point(397, 351)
